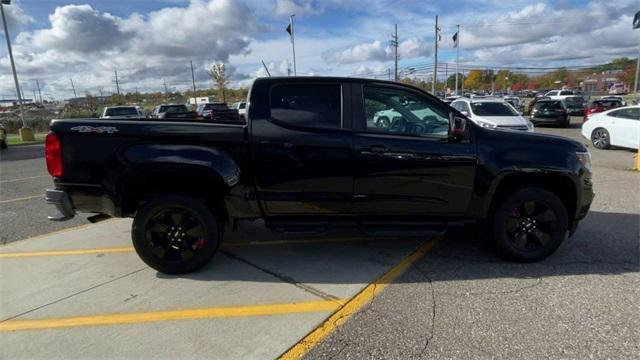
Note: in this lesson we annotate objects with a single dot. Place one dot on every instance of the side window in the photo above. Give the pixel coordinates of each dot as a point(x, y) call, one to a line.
point(566, 93)
point(399, 112)
point(631, 113)
point(553, 93)
point(310, 105)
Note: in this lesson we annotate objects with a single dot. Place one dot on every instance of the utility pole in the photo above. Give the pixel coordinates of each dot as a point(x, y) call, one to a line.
point(193, 81)
point(293, 44)
point(117, 84)
point(266, 68)
point(394, 43)
point(389, 73)
point(39, 93)
point(25, 132)
point(457, 55)
point(446, 74)
point(435, 64)
point(73, 88)
point(635, 83)
point(166, 89)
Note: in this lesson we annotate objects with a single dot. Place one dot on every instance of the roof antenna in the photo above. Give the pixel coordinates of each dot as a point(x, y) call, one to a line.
point(265, 67)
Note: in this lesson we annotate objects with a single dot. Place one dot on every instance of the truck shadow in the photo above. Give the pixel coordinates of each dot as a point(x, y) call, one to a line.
point(605, 244)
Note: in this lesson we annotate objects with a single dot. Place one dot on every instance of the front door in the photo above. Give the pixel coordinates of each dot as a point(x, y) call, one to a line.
point(301, 151)
point(407, 166)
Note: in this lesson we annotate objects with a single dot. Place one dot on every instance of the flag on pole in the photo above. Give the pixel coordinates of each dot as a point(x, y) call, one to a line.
point(636, 21)
point(455, 40)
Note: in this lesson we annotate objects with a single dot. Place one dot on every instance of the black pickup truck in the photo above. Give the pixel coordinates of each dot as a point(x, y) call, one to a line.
point(310, 158)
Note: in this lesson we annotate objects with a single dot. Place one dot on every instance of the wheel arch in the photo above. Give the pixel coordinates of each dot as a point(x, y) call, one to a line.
point(205, 173)
point(560, 184)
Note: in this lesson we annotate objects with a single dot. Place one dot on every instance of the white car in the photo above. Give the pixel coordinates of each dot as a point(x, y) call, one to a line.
point(493, 114)
point(241, 107)
point(615, 127)
point(559, 94)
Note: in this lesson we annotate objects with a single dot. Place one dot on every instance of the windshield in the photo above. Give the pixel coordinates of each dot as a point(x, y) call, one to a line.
point(492, 109)
point(173, 109)
point(123, 111)
point(606, 103)
point(548, 105)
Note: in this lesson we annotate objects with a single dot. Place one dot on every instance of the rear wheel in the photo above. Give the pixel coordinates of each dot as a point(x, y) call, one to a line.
point(600, 138)
point(529, 224)
point(175, 234)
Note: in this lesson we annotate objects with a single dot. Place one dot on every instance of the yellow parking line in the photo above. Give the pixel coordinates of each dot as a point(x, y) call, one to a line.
point(356, 303)
point(127, 249)
point(156, 316)
point(20, 199)
point(22, 179)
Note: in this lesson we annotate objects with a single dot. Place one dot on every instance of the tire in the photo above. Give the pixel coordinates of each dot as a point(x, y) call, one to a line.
point(383, 123)
point(175, 234)
point(529, 224)
point(567, 122)
point(600, 138)
point(3, 144)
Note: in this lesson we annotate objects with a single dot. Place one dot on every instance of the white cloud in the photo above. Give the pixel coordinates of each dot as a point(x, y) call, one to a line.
point(375, 51)
point(300, 7)
point(16, 18)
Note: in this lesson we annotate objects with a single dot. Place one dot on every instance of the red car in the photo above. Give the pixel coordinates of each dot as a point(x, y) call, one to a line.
point(601, 105)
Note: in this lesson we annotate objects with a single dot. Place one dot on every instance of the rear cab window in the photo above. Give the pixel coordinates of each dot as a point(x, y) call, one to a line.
point(307, 105)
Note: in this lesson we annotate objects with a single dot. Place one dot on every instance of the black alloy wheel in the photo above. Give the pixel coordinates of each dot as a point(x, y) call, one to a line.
point(530, 224)
point(175, 234)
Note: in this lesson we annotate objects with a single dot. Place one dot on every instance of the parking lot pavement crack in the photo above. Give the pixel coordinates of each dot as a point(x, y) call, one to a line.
point(75, 294)
point(434, 306)
point(319, 293)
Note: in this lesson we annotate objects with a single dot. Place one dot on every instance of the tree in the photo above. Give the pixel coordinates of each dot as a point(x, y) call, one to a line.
point(473, 80)
point(220, 77)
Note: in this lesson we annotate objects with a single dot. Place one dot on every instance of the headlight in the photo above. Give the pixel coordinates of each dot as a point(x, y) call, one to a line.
point(486, 124)
point(585, 159)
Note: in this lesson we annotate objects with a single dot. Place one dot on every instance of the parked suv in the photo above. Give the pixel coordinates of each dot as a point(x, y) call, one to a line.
point(173, 111)
point(121, 112)
point(559, 94)
point(550, 111)
point(311, 158)
point(492, 114)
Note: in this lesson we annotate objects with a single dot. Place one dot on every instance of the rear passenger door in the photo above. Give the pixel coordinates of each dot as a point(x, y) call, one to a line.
point(301, 149)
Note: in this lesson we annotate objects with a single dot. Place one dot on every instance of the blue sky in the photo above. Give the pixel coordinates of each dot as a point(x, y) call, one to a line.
point(152, 41)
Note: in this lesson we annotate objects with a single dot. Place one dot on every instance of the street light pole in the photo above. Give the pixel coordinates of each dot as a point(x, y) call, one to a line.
point(25, 132)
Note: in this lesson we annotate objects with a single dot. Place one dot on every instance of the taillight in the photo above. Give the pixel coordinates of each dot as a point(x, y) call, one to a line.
point(53, 154)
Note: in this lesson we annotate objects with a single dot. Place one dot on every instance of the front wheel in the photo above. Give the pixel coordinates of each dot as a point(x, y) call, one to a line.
point(529, 224)
point(383, 123)
point(175, 234)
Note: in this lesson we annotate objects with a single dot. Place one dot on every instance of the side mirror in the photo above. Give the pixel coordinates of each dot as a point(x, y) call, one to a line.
point(457, 127)
point(464, 112)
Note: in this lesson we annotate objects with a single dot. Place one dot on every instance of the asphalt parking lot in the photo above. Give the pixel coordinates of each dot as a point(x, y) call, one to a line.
point(83, 293)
